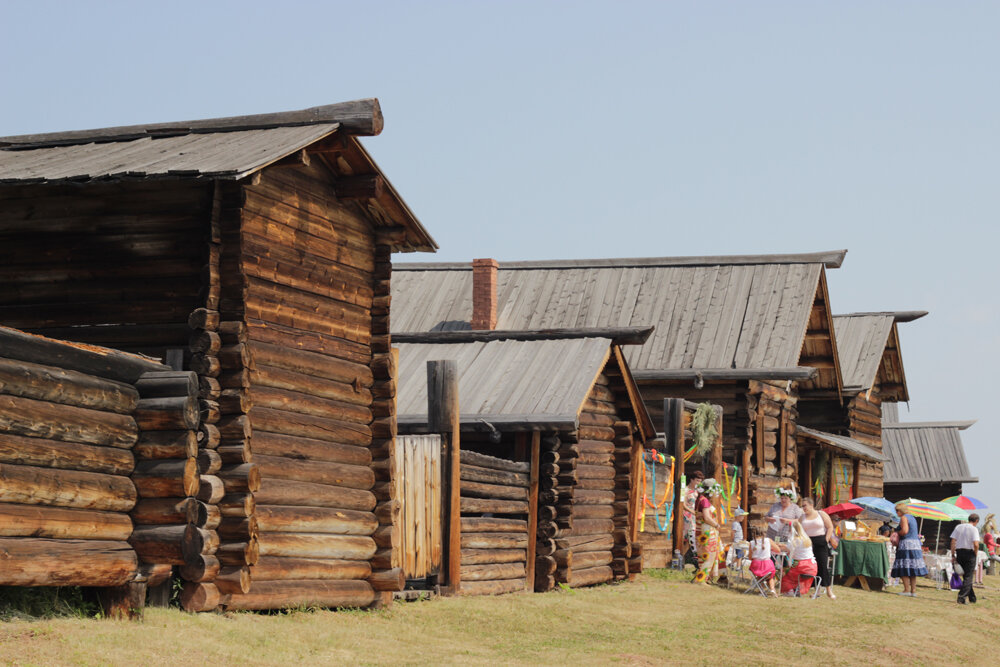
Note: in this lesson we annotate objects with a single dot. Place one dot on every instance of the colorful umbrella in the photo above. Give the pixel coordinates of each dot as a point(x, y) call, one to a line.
point(878, 506)
point(965, 502)
point(922, 510)
point(954, 513)
point(843, 510)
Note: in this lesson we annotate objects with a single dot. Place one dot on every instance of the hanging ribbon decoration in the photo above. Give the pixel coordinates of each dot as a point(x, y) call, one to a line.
point(650, 459)
point(848, 483)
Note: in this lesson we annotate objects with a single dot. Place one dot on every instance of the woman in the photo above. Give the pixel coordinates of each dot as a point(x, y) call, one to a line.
point(819, 528)
point(707, 534)
point(781, 514)
point(909, 563)
point(800, 550)
point(690, 495)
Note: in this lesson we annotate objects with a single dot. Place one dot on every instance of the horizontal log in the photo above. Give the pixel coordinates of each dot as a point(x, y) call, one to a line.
point(158, 511)
point(44, 453)
point(387, 537)
point(66, 423)
point(234, 452)
point(235, 427)
point(591, 497)
point(276, 568)
point(65, 387)
point(30, 485)
point(334, 474)
point(208, 436)
point(492, 587)
point(491, 572)
point(388, 580)
point(494, 540)
point(272, 518)
point(481, 505)
point(60, 523)
point(307, 404)
point(105, 363)
point(473, 473)
point(480, 490)
point(155, 573)
point(233, 580)
point(303, 593)
point(65, 562)
point(591, 576)
point(316, 545)
point(200, 567)
point(493, 525)
point(197, 597)
point(584, 543)
point(240, 478)
point(588, 559)
point(160, 544)
point(237, 528)
point(205, 342)
point(307, 449)
point(284, 492)
point(203, 318)
point(167, 384)
point(481, 556)
point(237, 504)
point(167, 414)
point(238, 553)
point(171, 478)
point(310, 363)
point(309, 426)
point(211, 489)
point(166, 445)
point(209, 462)
point(484, 461)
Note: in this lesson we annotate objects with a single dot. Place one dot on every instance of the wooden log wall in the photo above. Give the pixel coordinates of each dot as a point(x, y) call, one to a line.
point(307, 281)
point(864, 416)
point(773, 410)
point(494, 524)
point(546, 529)
point(66, 441)
point(112, 264)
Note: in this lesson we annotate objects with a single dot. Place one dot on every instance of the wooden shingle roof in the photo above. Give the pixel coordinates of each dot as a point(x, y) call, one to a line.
point(742, 312)
point(868, 344)
point(925, 452)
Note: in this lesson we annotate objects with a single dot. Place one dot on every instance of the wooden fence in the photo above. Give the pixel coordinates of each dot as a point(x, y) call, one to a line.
point(418, 466)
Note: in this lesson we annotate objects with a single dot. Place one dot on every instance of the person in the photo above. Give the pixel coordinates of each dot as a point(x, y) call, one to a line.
point(964, 545)
point(761, 550)
point(819, 528)
point(707, 533)
point(909, 562)
point(738, 514)
point(885, 530)
point(800, 550)
point(781, 514)
point(690, 494)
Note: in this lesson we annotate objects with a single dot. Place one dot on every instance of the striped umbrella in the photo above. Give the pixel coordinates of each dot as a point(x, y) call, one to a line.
point(922, 510)
point(965, 502)
point(954, 513)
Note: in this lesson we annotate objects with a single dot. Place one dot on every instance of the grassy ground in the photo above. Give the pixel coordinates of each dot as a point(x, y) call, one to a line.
point(659, 619)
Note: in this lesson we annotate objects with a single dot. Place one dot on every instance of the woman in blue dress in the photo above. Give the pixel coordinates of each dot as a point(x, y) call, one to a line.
point(909, 563)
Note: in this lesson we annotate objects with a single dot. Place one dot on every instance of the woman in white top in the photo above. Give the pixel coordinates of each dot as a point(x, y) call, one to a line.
point(800, 551)
point(819, 528)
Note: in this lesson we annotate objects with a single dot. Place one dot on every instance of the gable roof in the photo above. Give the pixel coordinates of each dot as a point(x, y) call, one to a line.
point(852, 447)
point(521, 384)
point(925, 452)
point(230, 148)
point(868, 344)
point(745, 312)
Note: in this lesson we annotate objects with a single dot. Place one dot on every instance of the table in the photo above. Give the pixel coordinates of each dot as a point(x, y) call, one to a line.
point(866, 563)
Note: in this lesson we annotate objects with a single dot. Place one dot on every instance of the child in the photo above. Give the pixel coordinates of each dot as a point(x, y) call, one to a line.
point(800, 551)
point(761, 549)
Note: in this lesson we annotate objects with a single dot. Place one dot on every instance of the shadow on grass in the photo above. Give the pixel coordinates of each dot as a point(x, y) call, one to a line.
point(28, 604)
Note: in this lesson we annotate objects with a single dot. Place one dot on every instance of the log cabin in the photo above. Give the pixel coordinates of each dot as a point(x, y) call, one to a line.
point(254, 251)
point(552, 428)
point(752, 334)
point(871, 361)
point(98, 469)
point(926, 461)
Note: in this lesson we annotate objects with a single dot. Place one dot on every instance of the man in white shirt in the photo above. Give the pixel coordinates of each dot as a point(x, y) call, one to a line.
point(964, 545)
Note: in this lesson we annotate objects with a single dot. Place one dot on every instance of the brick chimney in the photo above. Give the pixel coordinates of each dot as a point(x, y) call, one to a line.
point(484, 294)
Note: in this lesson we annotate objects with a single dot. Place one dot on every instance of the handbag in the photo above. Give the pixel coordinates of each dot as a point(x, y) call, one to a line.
point(956, 581)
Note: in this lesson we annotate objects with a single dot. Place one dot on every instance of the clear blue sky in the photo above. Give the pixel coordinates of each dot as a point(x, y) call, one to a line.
point(524, 130)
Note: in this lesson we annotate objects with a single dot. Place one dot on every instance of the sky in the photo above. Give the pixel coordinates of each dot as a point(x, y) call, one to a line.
point(549, 130)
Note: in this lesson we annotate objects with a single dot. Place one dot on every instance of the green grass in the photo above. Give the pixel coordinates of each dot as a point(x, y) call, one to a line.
point(660, 618)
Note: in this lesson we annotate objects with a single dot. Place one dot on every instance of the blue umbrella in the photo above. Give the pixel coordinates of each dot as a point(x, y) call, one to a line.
point(879, 506)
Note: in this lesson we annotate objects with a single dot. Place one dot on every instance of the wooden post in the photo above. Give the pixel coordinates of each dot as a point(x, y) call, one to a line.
point(809, 479)
point(443, 418)
point(673, 431)
point(716, 460)
point(830, 477)
point(854, 482)
point(636, 469)
point(745, 487)
point(123, 602)
point(783, 443)
point(758, 436)
point(529, 567)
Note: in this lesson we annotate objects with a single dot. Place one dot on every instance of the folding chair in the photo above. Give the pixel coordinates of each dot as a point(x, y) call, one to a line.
point(758, 584)
point(736, 567)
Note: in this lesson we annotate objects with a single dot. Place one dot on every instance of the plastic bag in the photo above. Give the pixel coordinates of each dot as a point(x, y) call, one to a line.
point(956, 581)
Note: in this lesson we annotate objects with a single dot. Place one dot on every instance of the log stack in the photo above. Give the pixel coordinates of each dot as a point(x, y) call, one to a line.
point(494, 524)
point(67, 434)
point(551, 460)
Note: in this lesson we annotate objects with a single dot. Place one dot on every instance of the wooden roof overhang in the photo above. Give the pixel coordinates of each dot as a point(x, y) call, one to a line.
point(841, 445)
point(819, 345)
point(888, 375)
point(226, 149)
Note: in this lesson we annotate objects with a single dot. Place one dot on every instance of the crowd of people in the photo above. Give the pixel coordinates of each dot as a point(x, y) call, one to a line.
point(799, 539)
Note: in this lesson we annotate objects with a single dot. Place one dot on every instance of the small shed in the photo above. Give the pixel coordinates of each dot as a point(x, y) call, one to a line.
point(568, 396)
point(254, 251)
point(926, 460)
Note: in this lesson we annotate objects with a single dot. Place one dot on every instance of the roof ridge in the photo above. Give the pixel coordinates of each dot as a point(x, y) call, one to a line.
point(832, 259)
point(897, 315)
point(358, 117)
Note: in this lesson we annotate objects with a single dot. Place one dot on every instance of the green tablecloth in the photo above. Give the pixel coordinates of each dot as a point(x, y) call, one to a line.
point(854, 557)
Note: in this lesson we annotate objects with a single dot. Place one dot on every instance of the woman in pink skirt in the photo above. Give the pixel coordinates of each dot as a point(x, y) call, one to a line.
point(761, 550)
